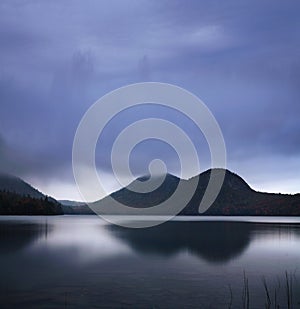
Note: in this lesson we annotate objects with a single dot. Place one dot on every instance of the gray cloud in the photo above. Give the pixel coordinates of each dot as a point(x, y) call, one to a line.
point(58, 58)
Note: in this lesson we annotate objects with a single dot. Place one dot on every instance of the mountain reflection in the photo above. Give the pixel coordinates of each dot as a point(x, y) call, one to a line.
point(216, 242)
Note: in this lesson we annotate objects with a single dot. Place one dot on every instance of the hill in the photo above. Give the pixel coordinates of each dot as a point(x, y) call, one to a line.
point(16, 204)
point(15, 184)
point(71, 203)
point(238, 198)
point(82, 209)
point(235, 198)
point(17, 197)
point(75, 208)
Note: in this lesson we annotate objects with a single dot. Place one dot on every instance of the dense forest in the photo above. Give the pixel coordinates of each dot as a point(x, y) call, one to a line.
point(12, 203)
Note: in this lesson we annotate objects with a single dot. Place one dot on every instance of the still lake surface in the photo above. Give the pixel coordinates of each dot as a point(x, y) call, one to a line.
point(85, 262)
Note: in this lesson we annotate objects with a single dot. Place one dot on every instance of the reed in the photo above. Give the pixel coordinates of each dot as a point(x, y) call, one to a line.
point(268, 298)
point(272, 299)
point(231, 297)
point(246, 294)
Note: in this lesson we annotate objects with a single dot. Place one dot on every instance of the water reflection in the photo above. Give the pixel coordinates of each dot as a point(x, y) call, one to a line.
point(216, 242)
point(90, 238)
point(16, 236)
point(85, 238)
point(83, 262)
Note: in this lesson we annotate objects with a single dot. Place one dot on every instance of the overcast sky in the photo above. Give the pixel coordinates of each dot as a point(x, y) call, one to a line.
point(240, 57)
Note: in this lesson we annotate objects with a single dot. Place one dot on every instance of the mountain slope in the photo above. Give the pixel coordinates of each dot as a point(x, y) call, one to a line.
point(238, 198)
point(14, 184)
point(17, 197)
point(130, 198)
point(235, 198)
point(16, 204)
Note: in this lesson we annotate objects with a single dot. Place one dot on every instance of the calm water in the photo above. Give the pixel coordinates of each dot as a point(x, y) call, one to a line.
point(84, 262)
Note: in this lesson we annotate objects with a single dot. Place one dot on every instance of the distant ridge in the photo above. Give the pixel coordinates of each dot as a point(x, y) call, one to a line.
point(235, 198)
point(75, 208)
point(71, 203)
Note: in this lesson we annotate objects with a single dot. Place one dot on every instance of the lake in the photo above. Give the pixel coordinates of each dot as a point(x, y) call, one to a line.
point(206, 262)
